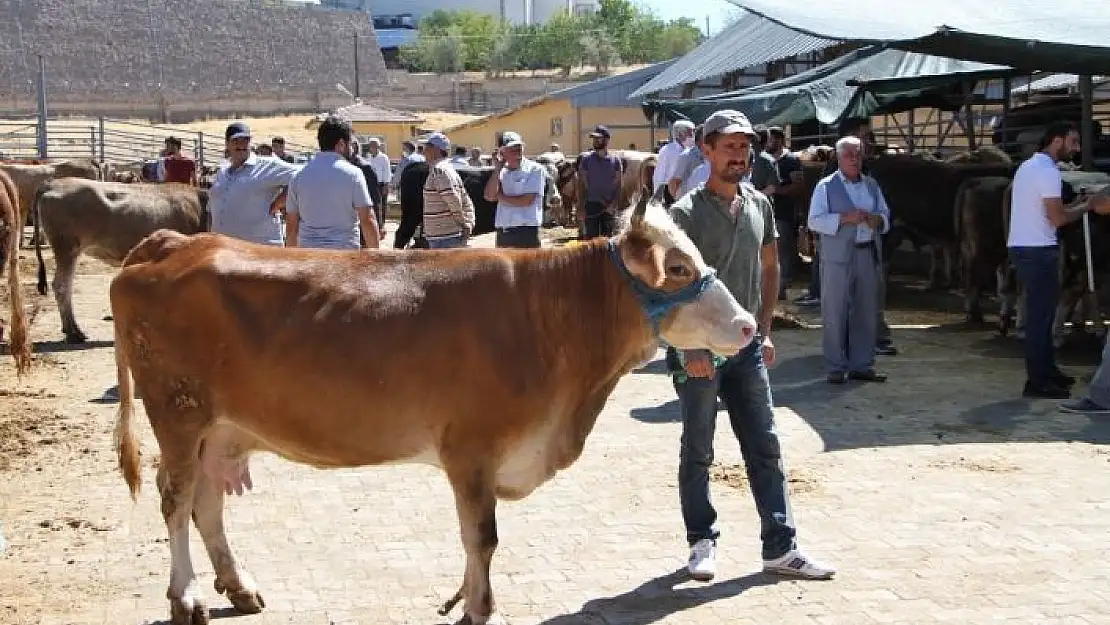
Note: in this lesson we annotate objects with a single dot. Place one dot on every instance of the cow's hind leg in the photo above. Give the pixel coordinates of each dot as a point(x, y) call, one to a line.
point(178, 418)
point(225, 470)
point(477, 507)
point(177, 486)
point(65, 266)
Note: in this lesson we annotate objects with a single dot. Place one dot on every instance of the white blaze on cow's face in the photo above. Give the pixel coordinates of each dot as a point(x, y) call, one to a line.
point(715, 320)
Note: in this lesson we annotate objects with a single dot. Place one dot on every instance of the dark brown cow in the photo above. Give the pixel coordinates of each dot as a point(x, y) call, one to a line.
point(10, 235)
point(982, 236)
point(921, 194)
point(205, 324)
point(105, 220)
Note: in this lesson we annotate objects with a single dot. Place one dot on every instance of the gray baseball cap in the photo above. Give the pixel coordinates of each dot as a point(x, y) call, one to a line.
point(728, 122)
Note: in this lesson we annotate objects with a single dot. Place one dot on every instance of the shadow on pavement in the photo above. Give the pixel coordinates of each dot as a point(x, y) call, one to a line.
point(657, 599)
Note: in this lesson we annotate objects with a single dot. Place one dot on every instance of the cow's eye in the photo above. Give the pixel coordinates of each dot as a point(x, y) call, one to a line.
point(678, 271)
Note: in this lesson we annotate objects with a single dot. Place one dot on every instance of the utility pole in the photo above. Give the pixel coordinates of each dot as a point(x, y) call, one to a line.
point(358, 91)
point(707, 26)
point(502, 11)
point(42, 107)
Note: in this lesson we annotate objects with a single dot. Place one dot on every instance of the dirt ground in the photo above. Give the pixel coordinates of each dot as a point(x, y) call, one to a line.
point(79, 552)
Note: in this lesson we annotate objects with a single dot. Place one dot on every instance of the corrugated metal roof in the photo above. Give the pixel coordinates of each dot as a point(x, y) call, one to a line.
point(395, 37)
point(751, 40)
point(1055, 81)
point(362, 112)
point(612, 90)
point(1061, 35)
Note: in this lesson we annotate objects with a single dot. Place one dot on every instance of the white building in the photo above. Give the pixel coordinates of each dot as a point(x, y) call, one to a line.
point(515, 11)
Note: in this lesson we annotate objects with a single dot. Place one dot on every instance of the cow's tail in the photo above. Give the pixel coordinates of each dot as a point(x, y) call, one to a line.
point(20, 341)
point(126, 443)
point(35, 207)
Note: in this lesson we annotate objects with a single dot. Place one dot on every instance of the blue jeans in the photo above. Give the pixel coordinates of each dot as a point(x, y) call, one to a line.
point(446, 242)
point(1037, 268)
point(742, 383)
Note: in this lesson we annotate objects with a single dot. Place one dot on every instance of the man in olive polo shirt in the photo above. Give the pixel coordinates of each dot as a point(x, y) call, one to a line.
point(733, 226)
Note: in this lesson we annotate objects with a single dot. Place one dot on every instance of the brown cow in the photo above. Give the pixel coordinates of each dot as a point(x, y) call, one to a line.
point(105, 219)
point(29, 177)
point(205, 324)
point(10, 235)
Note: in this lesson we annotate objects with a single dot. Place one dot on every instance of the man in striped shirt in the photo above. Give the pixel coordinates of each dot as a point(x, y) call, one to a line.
point(448, 209)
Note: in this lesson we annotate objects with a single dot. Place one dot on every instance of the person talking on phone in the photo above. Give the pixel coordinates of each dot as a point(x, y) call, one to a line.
point(516, 184)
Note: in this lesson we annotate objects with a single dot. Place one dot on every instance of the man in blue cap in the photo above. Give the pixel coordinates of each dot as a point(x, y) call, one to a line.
point(245, 188)
point(599, 179)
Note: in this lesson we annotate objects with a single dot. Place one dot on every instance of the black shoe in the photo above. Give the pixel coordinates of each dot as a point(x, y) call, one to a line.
point(1047, 391)
point(886, 349)
point(1059, 378)
point(836, 377)
point(867, 376)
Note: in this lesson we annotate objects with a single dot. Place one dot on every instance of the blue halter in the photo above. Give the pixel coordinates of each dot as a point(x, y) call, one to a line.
point(657, 304)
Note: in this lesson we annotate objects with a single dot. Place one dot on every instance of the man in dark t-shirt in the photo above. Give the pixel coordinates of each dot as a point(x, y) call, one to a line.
point(599, 175)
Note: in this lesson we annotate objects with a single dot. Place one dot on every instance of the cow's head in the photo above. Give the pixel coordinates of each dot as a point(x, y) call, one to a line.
point(687, 305)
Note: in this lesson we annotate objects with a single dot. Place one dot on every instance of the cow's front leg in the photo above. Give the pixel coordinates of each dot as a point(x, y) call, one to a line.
point(477, 509)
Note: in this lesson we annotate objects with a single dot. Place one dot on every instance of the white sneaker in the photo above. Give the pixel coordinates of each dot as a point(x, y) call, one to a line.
point(703, 560)
point(797, 564)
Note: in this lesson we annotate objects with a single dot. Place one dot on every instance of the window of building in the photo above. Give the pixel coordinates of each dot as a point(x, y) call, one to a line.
point(556, 126)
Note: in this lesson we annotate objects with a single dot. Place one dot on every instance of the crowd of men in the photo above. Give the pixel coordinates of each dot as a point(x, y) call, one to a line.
point(739, 194)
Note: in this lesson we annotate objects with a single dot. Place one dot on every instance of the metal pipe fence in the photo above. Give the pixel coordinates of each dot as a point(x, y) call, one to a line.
point(110, 140)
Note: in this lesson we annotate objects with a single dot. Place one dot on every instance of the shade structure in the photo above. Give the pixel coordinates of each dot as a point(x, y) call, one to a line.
point(830, 92)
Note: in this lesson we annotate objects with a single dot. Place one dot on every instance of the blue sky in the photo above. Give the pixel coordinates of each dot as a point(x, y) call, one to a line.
point(717, 10)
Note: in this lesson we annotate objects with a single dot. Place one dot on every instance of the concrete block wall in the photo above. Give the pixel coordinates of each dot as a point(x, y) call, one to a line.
point(180, 55)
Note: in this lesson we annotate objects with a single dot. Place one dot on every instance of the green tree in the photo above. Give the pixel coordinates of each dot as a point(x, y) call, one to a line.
point(561, 40)
point(679, 37)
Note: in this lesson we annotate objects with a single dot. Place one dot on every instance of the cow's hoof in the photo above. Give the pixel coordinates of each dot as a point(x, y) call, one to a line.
point(493, 619)
point(76, 338)
point(975, 317)
point(247, 601)
point(188, 612)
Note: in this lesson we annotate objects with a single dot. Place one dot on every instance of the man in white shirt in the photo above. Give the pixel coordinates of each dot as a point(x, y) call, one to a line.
point(691, 160)
point(849, 212)
point(379, 161)
point(670, 154)
point(1036, 211)
point(517, 185)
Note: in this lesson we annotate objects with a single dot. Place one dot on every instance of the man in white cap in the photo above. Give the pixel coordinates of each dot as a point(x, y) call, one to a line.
point(448, 209)
point(733, 226)
point(517, 185)
point(670, 154)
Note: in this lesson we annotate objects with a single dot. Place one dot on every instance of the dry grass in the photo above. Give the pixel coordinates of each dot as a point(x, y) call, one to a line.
point(292, 127)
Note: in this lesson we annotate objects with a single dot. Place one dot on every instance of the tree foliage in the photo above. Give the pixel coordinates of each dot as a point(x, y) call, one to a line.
point(619, 32)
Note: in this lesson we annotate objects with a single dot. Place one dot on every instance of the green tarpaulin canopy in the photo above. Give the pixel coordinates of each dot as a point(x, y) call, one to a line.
point(1033, 35)
point(824, 93)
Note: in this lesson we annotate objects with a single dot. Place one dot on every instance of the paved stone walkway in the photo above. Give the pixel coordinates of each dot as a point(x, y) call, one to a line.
point(940, 497)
